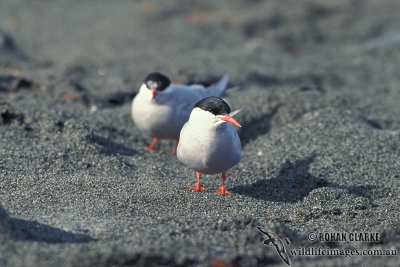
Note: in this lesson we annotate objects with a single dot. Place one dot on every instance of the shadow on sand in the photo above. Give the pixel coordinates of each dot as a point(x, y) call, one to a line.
point(33, 231)
point(257, 126)
point(293, 183)
point(111, 148)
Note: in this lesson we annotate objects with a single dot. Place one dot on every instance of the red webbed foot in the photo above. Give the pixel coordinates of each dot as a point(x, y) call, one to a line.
point(222, 189)
point(153, 145)
point(198, 187)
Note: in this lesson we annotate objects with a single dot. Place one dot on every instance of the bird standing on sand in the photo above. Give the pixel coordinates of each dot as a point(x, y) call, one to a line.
point(207, 144)
point(161, 108)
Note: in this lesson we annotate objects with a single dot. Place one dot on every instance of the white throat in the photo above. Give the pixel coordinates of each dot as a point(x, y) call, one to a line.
point(204, 118)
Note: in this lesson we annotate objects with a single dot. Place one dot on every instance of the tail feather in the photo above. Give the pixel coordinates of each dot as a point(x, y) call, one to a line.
point(218, 88)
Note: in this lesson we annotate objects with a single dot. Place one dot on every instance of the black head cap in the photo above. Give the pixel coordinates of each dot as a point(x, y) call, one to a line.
point(157, 81)
point(215, 105)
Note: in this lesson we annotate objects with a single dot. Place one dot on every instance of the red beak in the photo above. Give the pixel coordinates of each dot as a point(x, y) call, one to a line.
point(229, 119)
point(154, 93)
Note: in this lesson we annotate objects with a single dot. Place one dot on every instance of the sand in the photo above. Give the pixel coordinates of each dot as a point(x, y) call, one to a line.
point(320, 133)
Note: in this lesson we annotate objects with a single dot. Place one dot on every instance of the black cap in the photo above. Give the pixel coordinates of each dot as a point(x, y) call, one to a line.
point(215, 105)
point(157, 81)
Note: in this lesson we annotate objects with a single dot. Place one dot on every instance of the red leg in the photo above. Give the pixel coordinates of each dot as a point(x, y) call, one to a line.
point(176, 146)
point(222, 189)
point(153, 145)
point(198, 187)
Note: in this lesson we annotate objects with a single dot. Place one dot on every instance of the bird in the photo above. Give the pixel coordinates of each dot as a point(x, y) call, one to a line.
point(208, 142)
point(273, 239)
point(161, 108)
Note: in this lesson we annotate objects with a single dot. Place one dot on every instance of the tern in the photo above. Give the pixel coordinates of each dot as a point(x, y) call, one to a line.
point(161, 108)
point(208, 142)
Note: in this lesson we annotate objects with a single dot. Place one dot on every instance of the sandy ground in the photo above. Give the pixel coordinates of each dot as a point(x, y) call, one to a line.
point(321, 132)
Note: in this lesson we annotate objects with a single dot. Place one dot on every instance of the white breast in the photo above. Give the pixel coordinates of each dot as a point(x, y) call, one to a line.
point(207, 144)
point(154, 118)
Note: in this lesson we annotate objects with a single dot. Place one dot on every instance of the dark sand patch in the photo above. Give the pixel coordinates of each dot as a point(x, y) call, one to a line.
point(321, 131)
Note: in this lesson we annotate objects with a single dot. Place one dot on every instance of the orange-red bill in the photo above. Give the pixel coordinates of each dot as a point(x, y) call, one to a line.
point(154, 93)
point(229, 119)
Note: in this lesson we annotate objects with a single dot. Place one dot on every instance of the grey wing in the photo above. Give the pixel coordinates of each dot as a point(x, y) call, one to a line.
point(218, 88)
point(185, 104)
point(196, 86)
